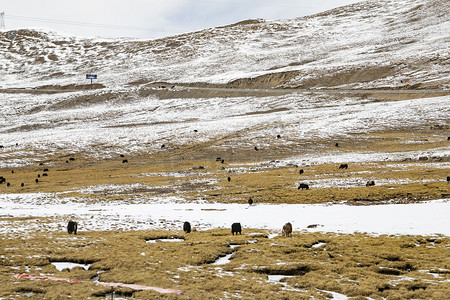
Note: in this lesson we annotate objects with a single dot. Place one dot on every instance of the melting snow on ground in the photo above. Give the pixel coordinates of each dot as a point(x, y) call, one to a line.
point(424, 218)
point(107, 130)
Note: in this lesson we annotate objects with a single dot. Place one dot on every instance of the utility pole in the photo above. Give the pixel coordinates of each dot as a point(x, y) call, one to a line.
point(2, 20)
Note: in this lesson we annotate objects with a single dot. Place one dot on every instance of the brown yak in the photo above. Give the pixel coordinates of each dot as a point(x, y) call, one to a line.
point(287, 229)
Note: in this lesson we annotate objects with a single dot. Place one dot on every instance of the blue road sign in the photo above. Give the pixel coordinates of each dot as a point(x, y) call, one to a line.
point(89, 76)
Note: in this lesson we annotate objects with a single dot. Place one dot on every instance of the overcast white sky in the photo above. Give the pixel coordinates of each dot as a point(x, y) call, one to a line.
point(126, 18)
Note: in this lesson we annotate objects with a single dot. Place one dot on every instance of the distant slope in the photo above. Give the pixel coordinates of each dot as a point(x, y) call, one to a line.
point(372, 44)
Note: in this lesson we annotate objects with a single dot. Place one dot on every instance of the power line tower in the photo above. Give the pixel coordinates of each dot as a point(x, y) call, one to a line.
point(2, 20)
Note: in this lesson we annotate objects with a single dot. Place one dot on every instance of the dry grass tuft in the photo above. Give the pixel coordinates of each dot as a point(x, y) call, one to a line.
point(355, 265)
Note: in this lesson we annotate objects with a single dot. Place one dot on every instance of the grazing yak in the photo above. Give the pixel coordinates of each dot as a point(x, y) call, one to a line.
point(343, 166)
point(256, 148)
point(448, 179)
point(235, 228)
point(287, 229)
point(22, 184)
point(187, 227)
point(370, 183)
point(45, 170)
point(229, 178)
point(36, 180)
point(301, 171)
point(2, 179)
point(125, 161)
point(72, 227)
point(250, 201)
point(278, 136)
point(72, 159)
point(303, 186)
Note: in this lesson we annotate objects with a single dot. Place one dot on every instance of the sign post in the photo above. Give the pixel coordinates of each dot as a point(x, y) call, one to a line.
point(91, 76)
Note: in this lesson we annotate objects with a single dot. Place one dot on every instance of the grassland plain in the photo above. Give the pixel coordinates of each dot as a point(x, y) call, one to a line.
point(193, 172)
point(308, 264)
point(372, 77)
point(263, 265)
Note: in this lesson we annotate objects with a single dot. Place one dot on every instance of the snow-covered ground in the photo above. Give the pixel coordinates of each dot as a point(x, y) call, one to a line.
point(405, 41)
point(45, 124)
point(425, 218)
point(372, 44)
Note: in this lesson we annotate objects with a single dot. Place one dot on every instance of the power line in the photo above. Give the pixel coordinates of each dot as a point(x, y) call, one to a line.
point(76, 23)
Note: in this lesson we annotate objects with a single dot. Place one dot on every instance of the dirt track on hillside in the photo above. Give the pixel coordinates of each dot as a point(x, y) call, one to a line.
point(199, 91)
point(202, 90)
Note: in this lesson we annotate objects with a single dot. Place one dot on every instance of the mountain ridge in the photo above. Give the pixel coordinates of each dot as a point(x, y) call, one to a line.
point(371, 44)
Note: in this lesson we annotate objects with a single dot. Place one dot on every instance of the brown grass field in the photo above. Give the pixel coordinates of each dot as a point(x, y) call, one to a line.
point(357, 265)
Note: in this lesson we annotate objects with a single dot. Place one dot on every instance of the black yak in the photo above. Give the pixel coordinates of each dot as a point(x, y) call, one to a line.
point(235, 228)
point(303, 186)
point(370, 183)
point(72, 227)
point(187, 227)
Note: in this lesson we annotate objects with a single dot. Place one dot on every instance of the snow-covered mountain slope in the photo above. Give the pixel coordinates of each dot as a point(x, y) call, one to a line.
point(387, 43)
point(101, 125)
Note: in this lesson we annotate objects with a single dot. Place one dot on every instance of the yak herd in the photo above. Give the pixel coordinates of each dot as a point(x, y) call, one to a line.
point(235, 227)
point(44, 174)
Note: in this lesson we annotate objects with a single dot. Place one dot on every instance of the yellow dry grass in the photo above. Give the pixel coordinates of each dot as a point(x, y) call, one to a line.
point(358, 265)
point(314, 264)
point(174, 171)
